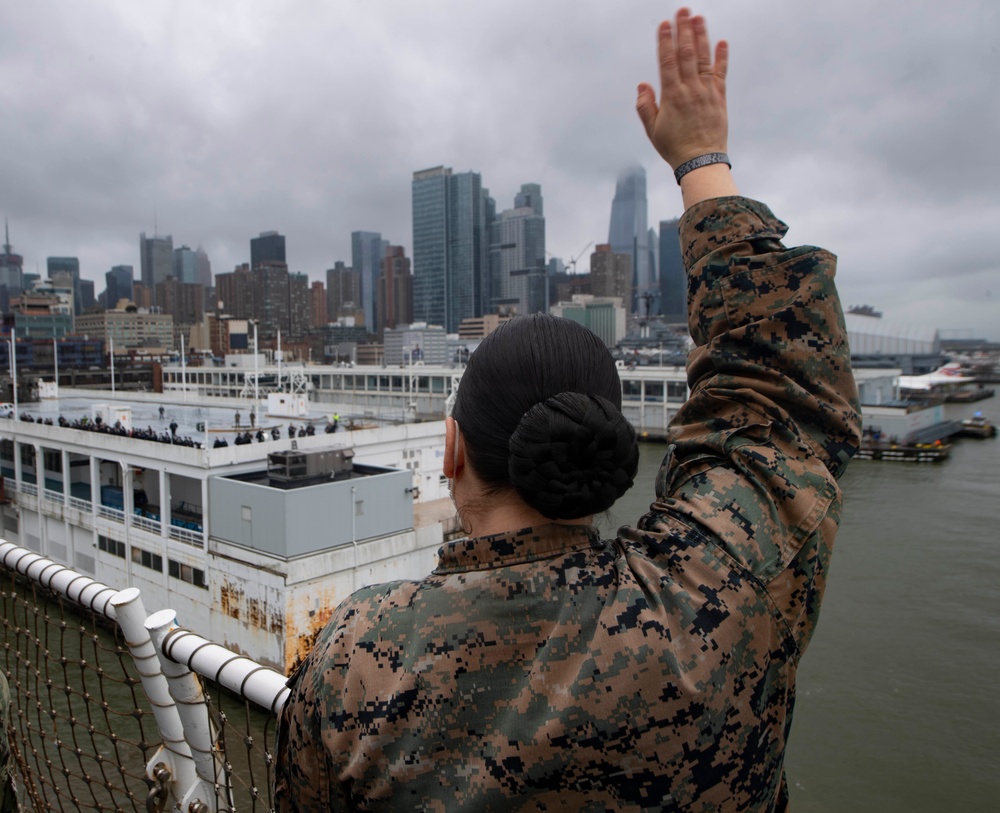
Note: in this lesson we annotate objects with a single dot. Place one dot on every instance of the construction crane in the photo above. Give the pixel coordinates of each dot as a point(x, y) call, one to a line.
point(579, 254)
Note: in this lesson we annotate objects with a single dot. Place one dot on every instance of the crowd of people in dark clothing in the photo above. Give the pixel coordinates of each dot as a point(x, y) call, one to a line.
point(97, 424)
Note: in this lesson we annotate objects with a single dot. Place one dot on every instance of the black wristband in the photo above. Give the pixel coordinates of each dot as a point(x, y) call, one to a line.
point(701, 161)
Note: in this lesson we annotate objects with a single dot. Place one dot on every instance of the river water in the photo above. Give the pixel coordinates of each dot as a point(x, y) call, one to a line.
point(898, 707)
point(898, 700)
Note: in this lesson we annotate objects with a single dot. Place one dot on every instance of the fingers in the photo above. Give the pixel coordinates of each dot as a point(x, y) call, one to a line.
point(721, 60)
point(645, 106)
point(702, 50)
point(687, 59)
point(669, 72)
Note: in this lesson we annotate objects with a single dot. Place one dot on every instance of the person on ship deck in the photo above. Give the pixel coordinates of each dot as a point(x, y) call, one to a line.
point(540, 667)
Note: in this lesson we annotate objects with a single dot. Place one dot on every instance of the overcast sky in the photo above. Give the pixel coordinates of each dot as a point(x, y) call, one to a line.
point(872, 129)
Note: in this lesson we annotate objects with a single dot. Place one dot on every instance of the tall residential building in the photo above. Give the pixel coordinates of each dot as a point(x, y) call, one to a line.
point(118, 285)
point(185, 301)
point(185, 265)
point(367, 248)
point(451, 218)
point(271, 304)
point(317, 305)
point(610, 273)
point(673, 279)
point(156, 260)
point(395, 290)
point(267, 249)
point(343, 292)
point(298, 305)
point(235, 291)
point(629, 234)
point(517, 256)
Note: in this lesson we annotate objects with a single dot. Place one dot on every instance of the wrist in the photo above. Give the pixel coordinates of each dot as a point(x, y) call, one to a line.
point(703, 159)
point(710, 181)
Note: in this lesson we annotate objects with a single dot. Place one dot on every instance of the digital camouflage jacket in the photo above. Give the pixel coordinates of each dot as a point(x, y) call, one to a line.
point(546, 669)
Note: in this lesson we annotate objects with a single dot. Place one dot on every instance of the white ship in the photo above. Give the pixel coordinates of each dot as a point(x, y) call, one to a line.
point(254, 560)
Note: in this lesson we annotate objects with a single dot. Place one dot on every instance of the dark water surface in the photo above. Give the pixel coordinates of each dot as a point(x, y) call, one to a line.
point(899, 693)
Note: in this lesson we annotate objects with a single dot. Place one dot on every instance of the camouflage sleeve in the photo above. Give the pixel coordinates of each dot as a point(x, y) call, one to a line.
point(773, 416)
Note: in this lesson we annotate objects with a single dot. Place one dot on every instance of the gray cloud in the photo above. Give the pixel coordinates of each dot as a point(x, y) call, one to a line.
point(870, 129)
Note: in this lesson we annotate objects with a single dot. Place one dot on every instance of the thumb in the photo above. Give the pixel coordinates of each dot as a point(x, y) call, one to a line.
point(645, 105)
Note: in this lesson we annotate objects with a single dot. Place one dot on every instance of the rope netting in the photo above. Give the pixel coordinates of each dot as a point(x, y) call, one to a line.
point(82, 730)
point(245, 739)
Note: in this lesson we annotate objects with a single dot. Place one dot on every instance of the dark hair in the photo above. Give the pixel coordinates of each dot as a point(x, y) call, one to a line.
point(539, 408)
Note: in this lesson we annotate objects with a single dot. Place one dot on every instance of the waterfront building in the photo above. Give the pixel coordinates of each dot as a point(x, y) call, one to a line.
point(628, 232)
point(230, 538)
point(673, 277)
point(517, 257)
point(451, 219)
point(156, 261)
point(394, 297)
point(604, 315)
point(407, 344)
point(39, 315)
point(129, 328)
point(876, 343)
point(477, 328)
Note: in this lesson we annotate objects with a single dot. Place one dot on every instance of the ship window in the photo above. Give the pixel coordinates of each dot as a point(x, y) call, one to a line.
point(151, 560)
point(187, 573)
point(112, 546)
point(631, 390)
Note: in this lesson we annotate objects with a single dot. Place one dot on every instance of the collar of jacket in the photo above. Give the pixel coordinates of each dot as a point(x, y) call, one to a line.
point(516, 547)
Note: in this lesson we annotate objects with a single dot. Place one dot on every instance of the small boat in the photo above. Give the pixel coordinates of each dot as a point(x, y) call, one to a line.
point(904, 453)
point(978, 426)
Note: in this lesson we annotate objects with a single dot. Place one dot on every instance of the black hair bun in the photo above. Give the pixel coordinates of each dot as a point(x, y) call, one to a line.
point(572, 455)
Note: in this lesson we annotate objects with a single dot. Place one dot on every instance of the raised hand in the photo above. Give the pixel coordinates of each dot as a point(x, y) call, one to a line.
point(690, 119)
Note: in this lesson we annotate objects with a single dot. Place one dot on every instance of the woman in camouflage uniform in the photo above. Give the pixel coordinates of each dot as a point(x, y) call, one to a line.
point(542, 668)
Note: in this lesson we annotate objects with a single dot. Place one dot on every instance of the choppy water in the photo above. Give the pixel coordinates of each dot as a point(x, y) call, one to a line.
point(898, 699)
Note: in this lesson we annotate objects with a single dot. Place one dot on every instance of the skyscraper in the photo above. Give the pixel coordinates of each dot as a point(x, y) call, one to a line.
point(628, 233)
point(517, 256)
point(343, 292)
point(71, 266)
point(267, 249)
point(395, 290)
point(673, 279)
point(156, 260)
point(450, 251)
point(185, 265)
point(610, 274)
point(203, 268)
point(118, 282)
point(367, 248)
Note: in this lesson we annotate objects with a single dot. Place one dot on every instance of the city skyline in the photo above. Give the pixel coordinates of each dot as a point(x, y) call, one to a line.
point(162, 118)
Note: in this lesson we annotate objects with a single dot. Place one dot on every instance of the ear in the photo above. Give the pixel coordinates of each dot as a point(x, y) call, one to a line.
point(454, 449)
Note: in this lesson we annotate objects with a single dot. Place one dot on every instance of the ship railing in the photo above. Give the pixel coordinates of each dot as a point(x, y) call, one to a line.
point(80, 505)
point(52, 496)
point(115, 709)
point(147, 524)
point(108, 512)
point(187, 536)
point(28, 488)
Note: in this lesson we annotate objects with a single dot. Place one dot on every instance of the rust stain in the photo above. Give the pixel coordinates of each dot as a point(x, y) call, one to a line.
point(230, 599)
